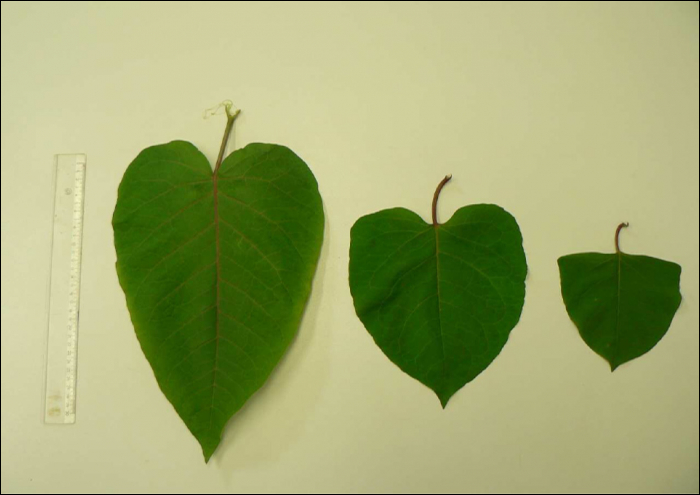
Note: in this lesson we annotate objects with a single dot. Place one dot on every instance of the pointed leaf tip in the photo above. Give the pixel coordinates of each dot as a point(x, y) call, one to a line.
point(444, 399)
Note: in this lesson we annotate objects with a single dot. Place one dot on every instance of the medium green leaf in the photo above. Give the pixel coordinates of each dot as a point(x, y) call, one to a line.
point(440, 300)
point(216, 268)
point(622, 304)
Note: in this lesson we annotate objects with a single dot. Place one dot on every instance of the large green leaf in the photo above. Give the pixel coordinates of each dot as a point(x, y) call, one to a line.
point(622, 304)
point(440, 300)
point(216, 268)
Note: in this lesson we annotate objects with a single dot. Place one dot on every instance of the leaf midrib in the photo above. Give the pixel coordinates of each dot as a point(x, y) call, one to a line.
point(217, 261)
point(437, 277)
point(617, 310)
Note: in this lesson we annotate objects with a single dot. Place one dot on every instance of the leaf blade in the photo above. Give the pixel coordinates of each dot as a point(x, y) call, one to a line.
point(214, 289)
point(419, 311)
point(622, 304)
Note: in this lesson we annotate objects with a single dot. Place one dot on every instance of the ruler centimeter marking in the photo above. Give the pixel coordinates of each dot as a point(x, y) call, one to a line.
point(64, 298)
point(74, 286)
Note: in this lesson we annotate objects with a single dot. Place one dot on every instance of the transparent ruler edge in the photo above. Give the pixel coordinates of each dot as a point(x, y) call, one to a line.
point(64, 295)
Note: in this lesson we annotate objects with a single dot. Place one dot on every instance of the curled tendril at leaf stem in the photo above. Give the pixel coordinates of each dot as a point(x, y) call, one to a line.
point(437, 195)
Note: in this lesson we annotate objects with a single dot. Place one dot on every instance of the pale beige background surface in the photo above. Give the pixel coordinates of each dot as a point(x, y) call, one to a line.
point(573, 117)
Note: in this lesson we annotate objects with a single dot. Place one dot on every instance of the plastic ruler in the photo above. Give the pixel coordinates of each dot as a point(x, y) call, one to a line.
point(64, 289)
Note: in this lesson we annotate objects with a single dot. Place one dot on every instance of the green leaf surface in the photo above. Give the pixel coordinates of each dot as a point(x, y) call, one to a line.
point(622, 304)
point(440, 300)
point(216, 268)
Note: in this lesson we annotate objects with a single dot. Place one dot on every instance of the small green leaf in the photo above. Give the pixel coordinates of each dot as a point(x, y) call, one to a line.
point(622, 304)
point(216, 268)
point(440, 300)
